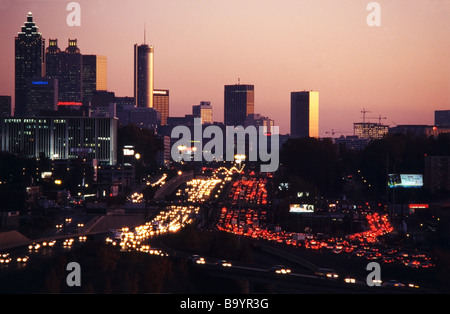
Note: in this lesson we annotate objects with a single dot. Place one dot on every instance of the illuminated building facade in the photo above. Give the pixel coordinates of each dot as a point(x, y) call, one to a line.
point(161, 103)
point(371, 131)
point(239, 101)
point(61, 137)
point(29, 61)
point(94, 74)
point(143, 75)
point(203, 111)
point(305, 114)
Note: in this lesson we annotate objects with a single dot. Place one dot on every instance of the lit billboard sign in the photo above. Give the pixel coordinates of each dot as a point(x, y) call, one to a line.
point(39, 82)
point(405, 181)
point(69, 103)
point(128, 151)
point(419, 206)
point(301, 208)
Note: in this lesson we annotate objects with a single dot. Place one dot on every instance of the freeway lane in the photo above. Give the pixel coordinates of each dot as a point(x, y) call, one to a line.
point(297, 283)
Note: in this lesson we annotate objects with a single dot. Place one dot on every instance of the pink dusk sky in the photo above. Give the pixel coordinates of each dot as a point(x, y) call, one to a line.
point(399, 70)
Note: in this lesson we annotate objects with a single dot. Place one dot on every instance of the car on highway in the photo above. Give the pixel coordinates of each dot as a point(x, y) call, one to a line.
point(393, 283)
point(34, 246)
point(326, 273)
point(349, 279)
point(280, 269)
point(198, 259)
point(5, 258)
point(225, 263)
point(49, 243)
point(22, 259)
point(68, 242)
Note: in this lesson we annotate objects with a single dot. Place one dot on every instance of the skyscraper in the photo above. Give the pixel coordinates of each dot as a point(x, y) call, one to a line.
point(66, 66)
point(29, 61)
point(94, 70)
point(53, 59)
point(305, 114)
point(143, 75)
point(203, 111)
point(42, 95)
point(161, 103)
point(238, 103)
point(71, 82)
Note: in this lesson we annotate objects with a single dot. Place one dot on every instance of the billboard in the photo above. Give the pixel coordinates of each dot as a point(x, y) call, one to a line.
point(413, 207)
point(301, 208)
point(405, 180)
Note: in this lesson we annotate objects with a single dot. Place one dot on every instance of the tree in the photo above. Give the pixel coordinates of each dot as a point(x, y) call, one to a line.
point(312, 163)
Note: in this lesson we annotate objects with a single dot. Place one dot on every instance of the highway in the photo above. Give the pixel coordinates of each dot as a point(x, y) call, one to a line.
point(271, 247)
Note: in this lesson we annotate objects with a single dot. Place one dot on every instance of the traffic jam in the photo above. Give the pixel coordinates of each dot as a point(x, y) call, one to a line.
point(252, 222)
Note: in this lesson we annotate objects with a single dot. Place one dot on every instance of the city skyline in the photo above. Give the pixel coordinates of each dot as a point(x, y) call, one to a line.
point(399, 70)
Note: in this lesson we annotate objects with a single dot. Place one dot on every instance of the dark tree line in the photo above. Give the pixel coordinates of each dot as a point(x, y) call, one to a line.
point(321, 167)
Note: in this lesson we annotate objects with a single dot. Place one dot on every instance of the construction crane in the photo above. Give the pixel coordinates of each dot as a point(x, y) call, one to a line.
point(334, 132)
point(379, 118)
point(364, 111)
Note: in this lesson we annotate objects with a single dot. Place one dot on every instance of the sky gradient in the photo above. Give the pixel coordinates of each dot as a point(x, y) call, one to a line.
point(399, 70)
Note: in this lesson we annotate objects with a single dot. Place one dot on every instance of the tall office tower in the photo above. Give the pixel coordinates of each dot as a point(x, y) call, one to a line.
point(442, 117)
point(238, 103)
point(161, 103)
point(305, 114)
point(66, 66)
point(143, 75)
point(94, 69)
point(53, 59)
point(71, 82)
point(203, 111)
point(29, 61)
point(42, 95)
point(5, 106)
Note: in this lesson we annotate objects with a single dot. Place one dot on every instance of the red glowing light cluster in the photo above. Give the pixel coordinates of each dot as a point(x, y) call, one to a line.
point(378, 225)
point(251, 191)
point(252, 223)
